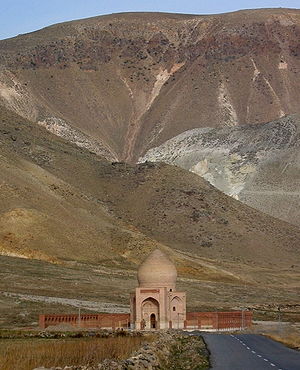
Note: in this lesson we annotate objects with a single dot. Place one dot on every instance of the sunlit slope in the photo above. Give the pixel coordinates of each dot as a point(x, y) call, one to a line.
point(123, 83)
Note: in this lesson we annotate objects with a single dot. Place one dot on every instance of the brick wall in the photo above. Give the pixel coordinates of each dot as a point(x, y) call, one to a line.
point(219, 320)
point(194, 320)
point(110, 321)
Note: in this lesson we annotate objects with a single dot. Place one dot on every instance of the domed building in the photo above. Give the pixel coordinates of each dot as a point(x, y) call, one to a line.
point(155, 303)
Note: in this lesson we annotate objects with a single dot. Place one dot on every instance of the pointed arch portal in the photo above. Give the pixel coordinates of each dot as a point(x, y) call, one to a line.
point(150, 313)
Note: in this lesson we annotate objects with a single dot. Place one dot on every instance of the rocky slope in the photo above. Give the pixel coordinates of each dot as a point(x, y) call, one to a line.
point(48, 216)
point(96, 220)
point(113, 87)
point(121, 84)
point(61, 195)
point(257, 164)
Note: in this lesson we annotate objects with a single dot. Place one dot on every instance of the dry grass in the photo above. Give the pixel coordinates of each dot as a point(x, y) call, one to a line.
point(28, 354)
point(291, 340)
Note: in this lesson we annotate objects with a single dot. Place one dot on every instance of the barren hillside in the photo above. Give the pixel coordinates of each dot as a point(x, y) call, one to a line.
point(77, 215)
point(64, 205)
point(47, 182)
point(124, 83)
point(259, 165)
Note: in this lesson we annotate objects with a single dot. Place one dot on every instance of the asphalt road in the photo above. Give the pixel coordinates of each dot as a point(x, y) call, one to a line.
point(249, 352)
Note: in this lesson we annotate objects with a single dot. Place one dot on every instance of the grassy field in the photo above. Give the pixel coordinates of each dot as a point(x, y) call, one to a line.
point(291, 340)
point(188, 353)
point(31, 287)
point(44, 352)
point(289, 336)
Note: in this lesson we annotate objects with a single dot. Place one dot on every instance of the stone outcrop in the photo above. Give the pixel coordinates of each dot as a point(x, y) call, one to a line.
point(256, 164)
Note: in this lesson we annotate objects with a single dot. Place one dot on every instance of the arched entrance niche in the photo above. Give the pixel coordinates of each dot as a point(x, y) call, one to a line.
point(150, 313)
point(176, 311)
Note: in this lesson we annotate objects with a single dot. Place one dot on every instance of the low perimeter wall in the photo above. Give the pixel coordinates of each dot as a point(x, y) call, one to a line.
point(220, 321)
point(104, 321)
point(194, 320)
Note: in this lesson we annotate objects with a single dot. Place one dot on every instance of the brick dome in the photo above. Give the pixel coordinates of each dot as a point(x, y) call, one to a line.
point(157, 271)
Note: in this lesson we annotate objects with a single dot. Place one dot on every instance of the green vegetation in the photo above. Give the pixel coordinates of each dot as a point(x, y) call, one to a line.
point(189, 353)
point(10, 334)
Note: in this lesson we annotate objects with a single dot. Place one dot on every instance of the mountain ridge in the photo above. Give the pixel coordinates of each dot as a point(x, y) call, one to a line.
point(80, 221)
point(105, 194)
point(81, 102)
point(171, 74)
point(157, 14)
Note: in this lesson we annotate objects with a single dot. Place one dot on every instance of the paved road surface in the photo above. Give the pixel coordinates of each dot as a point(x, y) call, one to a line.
point(249, 352)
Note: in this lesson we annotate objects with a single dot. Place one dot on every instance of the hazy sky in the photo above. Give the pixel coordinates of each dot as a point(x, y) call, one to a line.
point(21, 16)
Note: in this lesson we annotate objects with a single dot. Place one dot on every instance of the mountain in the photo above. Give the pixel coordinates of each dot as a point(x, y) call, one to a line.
point(81, 102)
point(68, 215)
point(257, 164)
point(121, 84)
point(55, 194)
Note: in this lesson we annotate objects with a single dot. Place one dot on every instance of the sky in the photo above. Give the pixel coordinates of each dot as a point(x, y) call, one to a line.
point(22, 16)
